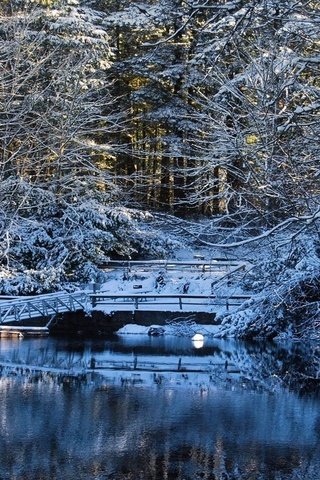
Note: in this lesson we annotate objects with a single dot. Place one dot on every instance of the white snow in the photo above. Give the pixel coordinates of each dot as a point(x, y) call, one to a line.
point(173, 278)
point(183, 276)
point(171, 329)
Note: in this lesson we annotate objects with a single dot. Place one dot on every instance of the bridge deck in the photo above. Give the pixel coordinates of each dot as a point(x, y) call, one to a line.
point(18, 309)
point(204, 303)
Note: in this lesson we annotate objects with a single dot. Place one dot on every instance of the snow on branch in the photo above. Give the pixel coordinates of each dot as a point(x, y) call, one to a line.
point(307, 219)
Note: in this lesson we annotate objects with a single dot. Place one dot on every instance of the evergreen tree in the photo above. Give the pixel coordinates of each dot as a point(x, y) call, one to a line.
point(59, 201)
point(153, 42)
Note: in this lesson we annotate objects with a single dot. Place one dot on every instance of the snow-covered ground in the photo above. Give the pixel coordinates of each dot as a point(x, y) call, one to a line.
point(173, 328)
point(189, 273)
point(280, 278)
point(205, 277)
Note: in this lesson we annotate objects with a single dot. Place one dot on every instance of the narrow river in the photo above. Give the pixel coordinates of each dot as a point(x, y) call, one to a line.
point(242, 414)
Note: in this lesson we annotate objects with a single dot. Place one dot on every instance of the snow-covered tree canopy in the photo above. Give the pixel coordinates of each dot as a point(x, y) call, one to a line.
point(60, 205)
point(189, 107)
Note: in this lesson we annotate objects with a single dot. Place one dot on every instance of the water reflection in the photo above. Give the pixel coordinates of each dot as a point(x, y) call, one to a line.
point(56, 428)
point(61, 432)
point(258, 364)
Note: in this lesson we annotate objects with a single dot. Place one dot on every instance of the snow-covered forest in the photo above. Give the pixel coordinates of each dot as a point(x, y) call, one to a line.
point(121, 118)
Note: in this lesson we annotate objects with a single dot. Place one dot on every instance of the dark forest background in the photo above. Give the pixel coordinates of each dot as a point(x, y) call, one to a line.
point(114, 112)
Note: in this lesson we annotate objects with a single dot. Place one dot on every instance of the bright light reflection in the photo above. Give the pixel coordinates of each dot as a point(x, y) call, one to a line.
point(198, 340)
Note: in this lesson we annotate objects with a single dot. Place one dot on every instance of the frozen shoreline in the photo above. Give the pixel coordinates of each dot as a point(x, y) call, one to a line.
point(185, 329)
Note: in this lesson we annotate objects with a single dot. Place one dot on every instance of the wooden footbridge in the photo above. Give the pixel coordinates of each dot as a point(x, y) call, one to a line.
point(166, 302)
point(48, 306)
point(198, 264)
point(21, 309)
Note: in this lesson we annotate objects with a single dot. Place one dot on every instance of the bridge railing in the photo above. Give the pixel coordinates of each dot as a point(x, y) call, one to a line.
point(211, 265)
point(181, 301)
point(23, 308)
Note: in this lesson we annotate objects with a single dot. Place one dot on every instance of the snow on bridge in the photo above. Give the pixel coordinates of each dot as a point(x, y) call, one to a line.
point(166, 302)
point(48, 306)
point(19, 309)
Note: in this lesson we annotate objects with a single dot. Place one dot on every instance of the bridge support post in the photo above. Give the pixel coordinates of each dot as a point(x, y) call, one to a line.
point(94, 291)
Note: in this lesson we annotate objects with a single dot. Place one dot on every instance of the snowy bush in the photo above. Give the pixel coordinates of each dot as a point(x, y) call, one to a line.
point(68, 239)
point(31, 282)
point(288, 302)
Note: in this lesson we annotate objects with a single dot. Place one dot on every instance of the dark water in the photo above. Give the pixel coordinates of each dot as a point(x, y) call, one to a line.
point(253, 418)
